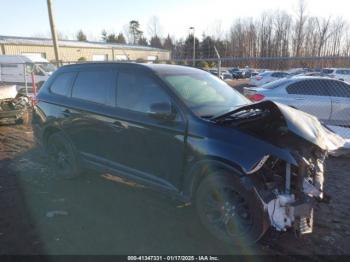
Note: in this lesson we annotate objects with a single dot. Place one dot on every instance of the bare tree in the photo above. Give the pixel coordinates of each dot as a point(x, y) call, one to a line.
point(323, 29)
point(298, 38)
point(337, 36)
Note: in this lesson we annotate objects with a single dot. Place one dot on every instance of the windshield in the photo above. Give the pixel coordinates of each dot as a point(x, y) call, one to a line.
point(204, 94)
point(47, 67)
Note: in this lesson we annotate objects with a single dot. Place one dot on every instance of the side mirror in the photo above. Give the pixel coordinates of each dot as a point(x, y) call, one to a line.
point(162, 111)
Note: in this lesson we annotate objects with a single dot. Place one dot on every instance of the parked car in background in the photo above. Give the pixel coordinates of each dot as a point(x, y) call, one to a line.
point(247, 73)
point(298, 71)
point(190, 136)
point(13, 67)
point(267, 77)
point(236, 72)
point(311, 74)
point(225, 75)
point(327, 99)
point(342, 74)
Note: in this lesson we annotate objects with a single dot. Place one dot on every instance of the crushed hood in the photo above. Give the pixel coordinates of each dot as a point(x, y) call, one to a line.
point(273, 119)
point(8, 92)
point(310, 128)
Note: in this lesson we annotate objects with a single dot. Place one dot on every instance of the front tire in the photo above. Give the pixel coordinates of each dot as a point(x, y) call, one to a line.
point(228, 211)
point(63, 156)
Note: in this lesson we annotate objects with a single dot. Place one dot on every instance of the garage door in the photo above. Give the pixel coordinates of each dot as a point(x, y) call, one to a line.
point(99, 57)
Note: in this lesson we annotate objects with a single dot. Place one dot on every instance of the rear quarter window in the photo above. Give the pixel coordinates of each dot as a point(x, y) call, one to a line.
point(62, 83)
point(339, 89)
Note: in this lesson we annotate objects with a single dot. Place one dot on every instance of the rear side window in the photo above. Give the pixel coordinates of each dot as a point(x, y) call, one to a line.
point(339, 89)
point(62, 83)
point(308, 87)
point(95, 86)
point(137, 92)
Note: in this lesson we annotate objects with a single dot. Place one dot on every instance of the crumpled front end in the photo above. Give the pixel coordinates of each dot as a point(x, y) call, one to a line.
point(286, 189)
point(288, 192)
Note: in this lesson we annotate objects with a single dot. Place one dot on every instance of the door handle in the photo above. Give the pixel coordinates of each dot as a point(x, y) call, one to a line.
point(118, 125)
point(299, 98)
point(67, 112)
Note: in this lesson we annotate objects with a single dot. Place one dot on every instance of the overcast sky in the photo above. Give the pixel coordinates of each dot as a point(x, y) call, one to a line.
point(29, 17)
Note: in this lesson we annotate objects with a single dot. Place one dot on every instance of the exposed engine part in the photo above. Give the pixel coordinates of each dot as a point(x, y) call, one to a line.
point(277, 208)
point(319, 174)
point(305, 225)
point(259, 165)
point(287, 191)
point(310, 189)
point(288, 177)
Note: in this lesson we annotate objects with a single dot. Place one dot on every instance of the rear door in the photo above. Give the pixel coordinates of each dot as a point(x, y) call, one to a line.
point(340, 96)
point(89, 117)
point(310, 96)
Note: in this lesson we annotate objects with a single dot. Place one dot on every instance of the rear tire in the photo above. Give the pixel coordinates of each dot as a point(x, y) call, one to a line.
point(228, 211)
point(63, 156)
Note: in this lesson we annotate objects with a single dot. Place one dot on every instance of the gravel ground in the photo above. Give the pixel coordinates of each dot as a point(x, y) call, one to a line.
point(41, 213)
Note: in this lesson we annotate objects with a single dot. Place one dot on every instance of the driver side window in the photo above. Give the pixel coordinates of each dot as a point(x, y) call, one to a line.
point(137, 92)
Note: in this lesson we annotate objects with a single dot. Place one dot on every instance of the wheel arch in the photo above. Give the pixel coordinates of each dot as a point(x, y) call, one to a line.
point(49, 131)
point(203, 167)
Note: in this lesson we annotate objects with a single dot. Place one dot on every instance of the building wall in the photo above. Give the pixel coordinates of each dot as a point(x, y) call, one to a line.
point(68, 54)
point(2, 49)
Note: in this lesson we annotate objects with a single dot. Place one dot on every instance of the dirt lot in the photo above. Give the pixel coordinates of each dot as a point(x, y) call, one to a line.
point(97, 215)
point(238, 84)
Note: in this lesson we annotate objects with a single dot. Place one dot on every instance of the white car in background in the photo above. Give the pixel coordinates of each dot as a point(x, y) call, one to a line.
point(342, 74)
point(327, 99)
point(267, 77)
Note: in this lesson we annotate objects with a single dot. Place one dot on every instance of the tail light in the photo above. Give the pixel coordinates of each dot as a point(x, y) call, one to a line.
point(256, 97)
point(258, 78)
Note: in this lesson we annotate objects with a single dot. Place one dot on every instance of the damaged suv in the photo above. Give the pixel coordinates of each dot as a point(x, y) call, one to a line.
point(245, 167)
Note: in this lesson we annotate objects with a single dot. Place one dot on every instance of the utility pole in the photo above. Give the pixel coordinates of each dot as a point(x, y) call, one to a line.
point(194, 47)
point(53, 31)
point(219, 61)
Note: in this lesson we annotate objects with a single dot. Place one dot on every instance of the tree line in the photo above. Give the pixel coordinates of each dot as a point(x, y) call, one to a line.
point(273, 34)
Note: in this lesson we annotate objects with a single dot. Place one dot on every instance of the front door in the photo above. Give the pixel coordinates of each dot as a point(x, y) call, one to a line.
point(153, 147)
point(311, 96)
